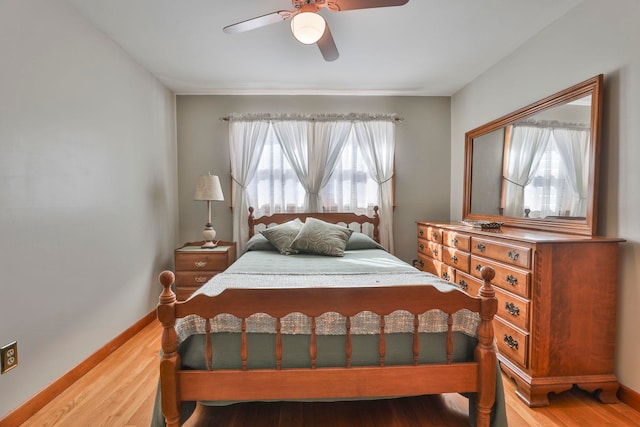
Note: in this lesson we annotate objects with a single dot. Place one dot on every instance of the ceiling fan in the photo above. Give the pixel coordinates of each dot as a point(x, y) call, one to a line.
point(307, 25)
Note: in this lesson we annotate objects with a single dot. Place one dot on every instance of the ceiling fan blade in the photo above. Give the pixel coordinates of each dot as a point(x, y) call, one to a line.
point(328, 46)
point(342, 5)
point(260, 21)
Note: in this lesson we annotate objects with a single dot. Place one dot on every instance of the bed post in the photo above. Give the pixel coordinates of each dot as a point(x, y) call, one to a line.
point(485, 353)
point(170, 362)
point(252, 222)
point(376, 224)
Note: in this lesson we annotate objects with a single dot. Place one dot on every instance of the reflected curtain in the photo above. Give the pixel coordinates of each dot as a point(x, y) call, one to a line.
point(526, 148)
point(574, 148)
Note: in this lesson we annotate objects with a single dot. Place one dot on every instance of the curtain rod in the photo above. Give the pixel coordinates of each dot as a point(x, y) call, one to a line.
point(311, 117)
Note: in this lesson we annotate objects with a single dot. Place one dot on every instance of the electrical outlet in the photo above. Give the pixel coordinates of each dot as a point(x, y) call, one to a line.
point(8, 357)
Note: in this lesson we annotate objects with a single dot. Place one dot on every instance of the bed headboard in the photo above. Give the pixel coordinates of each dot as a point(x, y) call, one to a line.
point(346, 218)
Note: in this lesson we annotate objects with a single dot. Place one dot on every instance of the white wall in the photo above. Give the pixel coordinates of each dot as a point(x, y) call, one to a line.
point(422, 154)
point(596, 37)
point(88, 203)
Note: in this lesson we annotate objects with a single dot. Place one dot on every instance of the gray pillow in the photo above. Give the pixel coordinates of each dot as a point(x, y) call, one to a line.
point(258, 243)
point(321, 238)
point(282, 235)
point(361, 241)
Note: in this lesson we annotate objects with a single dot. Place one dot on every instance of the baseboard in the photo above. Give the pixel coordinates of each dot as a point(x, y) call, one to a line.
point(23, 412)
point(629, 397)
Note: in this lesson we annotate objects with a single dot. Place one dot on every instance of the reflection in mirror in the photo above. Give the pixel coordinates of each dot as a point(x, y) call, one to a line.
point(537, 164)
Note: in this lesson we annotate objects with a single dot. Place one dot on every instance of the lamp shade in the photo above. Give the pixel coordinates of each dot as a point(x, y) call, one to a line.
point(209, 188)
point(308, 27)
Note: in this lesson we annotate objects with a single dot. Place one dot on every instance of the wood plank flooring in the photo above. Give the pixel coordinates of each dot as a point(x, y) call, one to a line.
point(120, 391)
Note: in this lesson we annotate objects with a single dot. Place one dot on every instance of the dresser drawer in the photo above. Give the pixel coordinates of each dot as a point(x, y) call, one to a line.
point(456, 258)
point(513, 309)
point(456, 240)
point(433, 234)
point(512, 342)
point(183, 293)
point(507, 253)
point(201, 261)
point(193, 278)
point(512, 279)
point(468, 283)
point(430, 249)
point(436, 268)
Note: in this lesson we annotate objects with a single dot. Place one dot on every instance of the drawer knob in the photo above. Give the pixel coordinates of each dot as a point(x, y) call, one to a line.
point(435, 252)
point(478, 267)
point(463, 284)
point(454, 259)
point(512, 280)
point(421, 232)
point(481, 247)
point(510, 341)
point(435, 236)
point(421, 263)
point(200, 264)
point(446, 276)
point(512, 309)
point(421, 247)
point(201, 279)
point(513, 255)
point(454, 241)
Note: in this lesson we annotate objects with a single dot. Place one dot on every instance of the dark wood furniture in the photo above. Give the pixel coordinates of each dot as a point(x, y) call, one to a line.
point(477, 376)
point(194, 266)
point(556, 319)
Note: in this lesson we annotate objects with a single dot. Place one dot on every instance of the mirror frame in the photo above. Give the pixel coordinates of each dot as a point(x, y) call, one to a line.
point(593, 87)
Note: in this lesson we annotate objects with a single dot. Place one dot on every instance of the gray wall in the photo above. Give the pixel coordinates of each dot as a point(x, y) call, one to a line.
point(422, 154)
point(88, 205)
point(596, 37)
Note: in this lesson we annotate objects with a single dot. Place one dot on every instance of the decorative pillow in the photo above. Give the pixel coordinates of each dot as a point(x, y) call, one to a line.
point(361, 241)
point(321, 238)
point(282, 235)
point(258, 243)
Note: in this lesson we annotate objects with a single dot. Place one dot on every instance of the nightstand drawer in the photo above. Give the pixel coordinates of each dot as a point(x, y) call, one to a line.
point(193, 278)
point(202, 261)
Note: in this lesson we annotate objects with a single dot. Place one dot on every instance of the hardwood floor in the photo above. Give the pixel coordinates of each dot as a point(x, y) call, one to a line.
point(120, 391)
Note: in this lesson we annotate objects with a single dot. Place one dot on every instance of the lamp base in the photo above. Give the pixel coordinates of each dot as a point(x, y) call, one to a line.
point(209, 235)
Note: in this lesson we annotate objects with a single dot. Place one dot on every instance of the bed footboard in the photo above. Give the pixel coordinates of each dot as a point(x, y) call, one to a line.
point(476, 376)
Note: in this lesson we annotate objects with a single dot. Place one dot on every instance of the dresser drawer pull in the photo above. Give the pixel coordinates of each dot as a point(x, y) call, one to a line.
point(481, 247)
point(421, 232)
point(454, 259)
point(421, 263)
point(510, 342)
point(435, 252)
point(513, 309)
point(513, 255)
point(201, 279)
point(463, 284)
point(435, 236)
point(478, 267)
point(446, 276)
point(421, 247)
point(513, 281)
point(454, 241)
point(200, 264)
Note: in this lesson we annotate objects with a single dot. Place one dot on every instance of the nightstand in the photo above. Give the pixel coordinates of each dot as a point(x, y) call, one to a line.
point(195, 266)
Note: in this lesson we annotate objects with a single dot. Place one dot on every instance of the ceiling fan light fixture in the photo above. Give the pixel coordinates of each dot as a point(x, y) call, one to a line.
point(308, 27)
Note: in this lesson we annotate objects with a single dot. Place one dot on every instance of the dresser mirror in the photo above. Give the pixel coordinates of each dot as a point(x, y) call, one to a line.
point(537, 167)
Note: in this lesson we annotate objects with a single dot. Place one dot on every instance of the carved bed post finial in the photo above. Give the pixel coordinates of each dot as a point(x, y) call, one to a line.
point(485, 353)
point(170, 363)
point(251, 222)
point(376, 224)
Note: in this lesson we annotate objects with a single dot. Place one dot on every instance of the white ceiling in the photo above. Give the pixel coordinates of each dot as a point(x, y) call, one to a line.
point(426, 47)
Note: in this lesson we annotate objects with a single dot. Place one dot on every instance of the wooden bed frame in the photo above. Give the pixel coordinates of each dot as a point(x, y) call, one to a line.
point(478, 376)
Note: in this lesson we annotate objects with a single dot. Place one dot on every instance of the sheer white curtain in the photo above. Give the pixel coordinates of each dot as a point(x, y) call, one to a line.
point(246, 142)
point(574, 147)
point(376, 140)
point(526, 148)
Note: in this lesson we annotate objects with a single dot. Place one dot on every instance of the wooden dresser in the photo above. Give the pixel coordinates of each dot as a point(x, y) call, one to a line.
point(556, 319)
point(195, 266)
